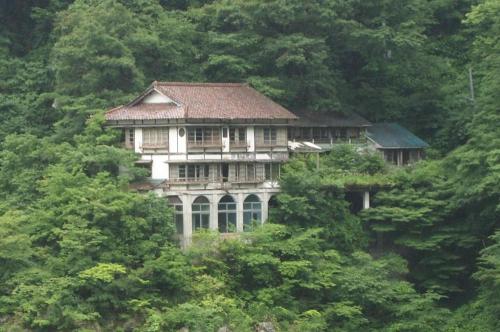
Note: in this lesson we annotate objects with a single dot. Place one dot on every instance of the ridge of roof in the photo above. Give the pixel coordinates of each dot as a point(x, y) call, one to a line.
point(201, 84)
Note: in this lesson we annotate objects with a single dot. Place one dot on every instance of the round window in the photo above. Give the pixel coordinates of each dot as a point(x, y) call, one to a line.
point(182, 131)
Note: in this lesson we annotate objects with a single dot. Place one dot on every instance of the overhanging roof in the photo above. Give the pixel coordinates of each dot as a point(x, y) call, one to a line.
point(394, 136)
point(217, 101)
point(329, 119)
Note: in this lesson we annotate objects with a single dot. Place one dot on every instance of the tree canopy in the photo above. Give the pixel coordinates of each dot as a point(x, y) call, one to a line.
point(79, 251)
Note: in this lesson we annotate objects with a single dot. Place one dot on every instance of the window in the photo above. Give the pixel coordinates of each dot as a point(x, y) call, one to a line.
point(245, 172)
point(201, 213)
point(155, 137)
point(176, 203)
point(238, 137)
point(270, 136)
point(190, 172)
point(272, 171)
point(227, 215)
point(130, 137)
point(252, 211)
point(209, 136)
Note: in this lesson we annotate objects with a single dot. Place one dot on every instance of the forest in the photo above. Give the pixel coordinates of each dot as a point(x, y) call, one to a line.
point(81, 252)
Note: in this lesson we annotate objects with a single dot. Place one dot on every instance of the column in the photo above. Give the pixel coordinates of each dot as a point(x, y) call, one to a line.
point(187, 221)
point(366, 200)
point(214, 212)
point(239, 213)
point(400, 157)
point(265, 207)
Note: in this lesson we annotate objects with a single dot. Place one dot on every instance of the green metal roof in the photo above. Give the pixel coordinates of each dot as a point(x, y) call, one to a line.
point(393, 136)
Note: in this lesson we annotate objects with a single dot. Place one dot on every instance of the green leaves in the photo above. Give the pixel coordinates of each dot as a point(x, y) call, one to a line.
point(104, 272)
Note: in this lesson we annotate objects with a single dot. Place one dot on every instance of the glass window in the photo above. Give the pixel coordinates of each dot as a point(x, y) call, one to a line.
point(155, 137)
point(250, 171)
point(194, 172)
point(238, 136)
point(227, 215)
point(270, 136)
point(130, 137)
point(176, 203)
point(201, 213)
point(252, 211)
point(272, 171)
point(182, 171)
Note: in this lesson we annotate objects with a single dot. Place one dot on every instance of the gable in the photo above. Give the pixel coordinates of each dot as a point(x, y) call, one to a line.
point(154, 97)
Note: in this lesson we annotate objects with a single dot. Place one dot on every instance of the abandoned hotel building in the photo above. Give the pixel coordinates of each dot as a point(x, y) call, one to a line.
point(214, 150)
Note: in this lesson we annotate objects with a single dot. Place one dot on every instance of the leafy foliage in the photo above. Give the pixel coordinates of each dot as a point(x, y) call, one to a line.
point(80, 252)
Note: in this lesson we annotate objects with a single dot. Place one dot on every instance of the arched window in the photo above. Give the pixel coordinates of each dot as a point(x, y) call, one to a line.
point(176, 203)
point(273, 207)
point(227, 215)
point(201, 213)
point(252, 211)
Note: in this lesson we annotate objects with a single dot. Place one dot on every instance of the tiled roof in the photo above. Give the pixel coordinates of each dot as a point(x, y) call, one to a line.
point(329, 119)
point(393, 136)
point(203, 101)
point(146, 112)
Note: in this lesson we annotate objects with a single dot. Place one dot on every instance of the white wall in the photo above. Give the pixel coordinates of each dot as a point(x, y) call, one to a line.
point(172, 139)
point(225, 140)
point(156, 98)
point(251, 139)
point(160, 167)
point(138, 140)
point(181, 141)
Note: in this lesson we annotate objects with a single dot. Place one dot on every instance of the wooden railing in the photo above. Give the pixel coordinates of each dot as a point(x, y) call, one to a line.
point(253, 179)
point(269, 144)
point(207, 180)
point(205, 144)
point(162, 146)
point(191, 180)
point(333, 140)
point(238, 144)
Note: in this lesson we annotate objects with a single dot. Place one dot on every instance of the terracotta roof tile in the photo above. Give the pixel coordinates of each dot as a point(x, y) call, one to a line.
point(146, 112)
point(204, 101)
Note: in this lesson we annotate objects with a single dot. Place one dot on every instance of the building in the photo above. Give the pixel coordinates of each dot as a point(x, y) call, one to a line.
point(215, 150)
point(396, 144)
point(319, 131)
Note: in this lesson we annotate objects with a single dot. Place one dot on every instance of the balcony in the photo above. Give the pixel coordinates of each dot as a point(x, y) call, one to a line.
point(270, 144)
point(243, 180)
point(238, 145)
point(155, 147)
point(204, 144)
point(224, 182)
point(203, 180)
point(333, 140)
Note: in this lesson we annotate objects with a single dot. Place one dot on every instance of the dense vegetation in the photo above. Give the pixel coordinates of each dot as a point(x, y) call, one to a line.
point(78, 251)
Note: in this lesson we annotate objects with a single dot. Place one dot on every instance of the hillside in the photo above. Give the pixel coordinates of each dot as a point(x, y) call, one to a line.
point(79, 251)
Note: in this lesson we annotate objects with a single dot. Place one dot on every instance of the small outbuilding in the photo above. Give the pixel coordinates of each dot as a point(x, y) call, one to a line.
point(397, 144)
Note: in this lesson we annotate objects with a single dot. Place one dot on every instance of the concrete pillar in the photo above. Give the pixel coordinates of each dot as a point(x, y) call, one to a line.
point(239, 212)
point(400, 157)
point(214, 212)
point(265, 207)
point(187, 221)
point(366, 200)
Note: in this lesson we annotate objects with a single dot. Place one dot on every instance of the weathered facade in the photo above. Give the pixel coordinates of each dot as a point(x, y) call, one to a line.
point(215, 150)
point(397, 145)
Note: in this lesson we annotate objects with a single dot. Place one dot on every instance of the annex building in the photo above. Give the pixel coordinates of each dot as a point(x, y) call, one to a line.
point(215, 150)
